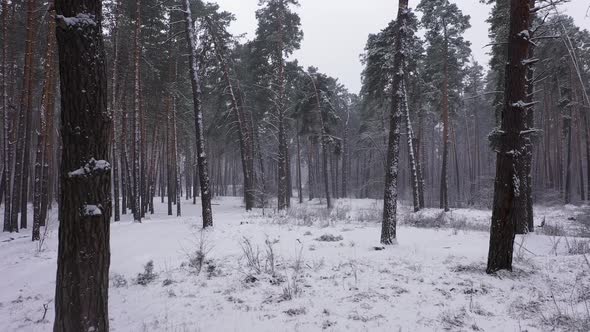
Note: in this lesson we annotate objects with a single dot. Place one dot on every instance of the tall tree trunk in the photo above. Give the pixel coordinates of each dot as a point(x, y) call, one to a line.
point(82, 282)
point(324, 145)
point(24, 128)
point(28, 95)
point(137, 208)
point(114, 107)
point(411, 151)
point(299, 181)
point(444, 176)
point(6, 119)
point(527, 180)
point(510, 143)
point(345, 156)
point(176, 159)
point(389, 225)
point(191, 38)
point(46, 116)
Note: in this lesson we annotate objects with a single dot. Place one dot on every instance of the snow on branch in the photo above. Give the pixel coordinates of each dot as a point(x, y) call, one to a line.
point(80, 20)
point(92, 168)
point(89, 210)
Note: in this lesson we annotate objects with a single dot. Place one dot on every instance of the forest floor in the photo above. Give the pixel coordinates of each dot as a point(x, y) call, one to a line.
point(311, 270)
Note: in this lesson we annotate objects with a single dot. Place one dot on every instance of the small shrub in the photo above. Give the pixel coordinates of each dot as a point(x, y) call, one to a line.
point(296, 311)
point(453, 320)
point(167, 282)
point(552, 229)
point(118, 280)
point(291, 290)
point(251, 255)
point(578, 247)
point(270, 255)
point(330, 238)
point(148, 274)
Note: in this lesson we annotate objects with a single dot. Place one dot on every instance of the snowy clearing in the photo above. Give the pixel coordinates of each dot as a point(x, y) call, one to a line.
point(260, 272)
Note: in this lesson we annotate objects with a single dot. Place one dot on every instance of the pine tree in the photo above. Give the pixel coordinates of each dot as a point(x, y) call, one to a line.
point(82, 282)
point(447, 53)
point(509, 142)
point(389, 225)
point(192, 42)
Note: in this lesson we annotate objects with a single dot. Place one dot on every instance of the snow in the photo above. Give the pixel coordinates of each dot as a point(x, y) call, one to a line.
point(432, 280)
point(93, 166)
point(80, 19)
point(90, 210)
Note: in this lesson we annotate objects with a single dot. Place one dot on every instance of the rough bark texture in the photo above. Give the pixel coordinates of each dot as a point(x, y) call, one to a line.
point(81, 299)
point(389, 225)
point(509, 142)
point(191, 38)
point(6, 119)
point(411, 151)
point(43, 148)
point(137, 208)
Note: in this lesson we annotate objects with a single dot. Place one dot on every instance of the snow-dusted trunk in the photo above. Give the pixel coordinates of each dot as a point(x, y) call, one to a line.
point(299, 181)
point(137, 118)
point(528, 224)
point(124, 167)
point(114, 110)
point(6, 132)
point(46, 116)
point(509, 143)
point(411, 150)
point(82, 281)
point(345, 156)
point(176, 159)
point(191, 38)
point(444, 175)
point(389, 225)
point(169, 168)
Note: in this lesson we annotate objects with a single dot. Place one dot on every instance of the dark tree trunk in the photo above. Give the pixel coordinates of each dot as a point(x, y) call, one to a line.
point(191, 38)
point(137, 208)
point(7, 131)
point(81, 300)
point(389, 225)
point(444, 176)
point(114, 107)
point(43, 147)
point(510, 143)
point(28, 108)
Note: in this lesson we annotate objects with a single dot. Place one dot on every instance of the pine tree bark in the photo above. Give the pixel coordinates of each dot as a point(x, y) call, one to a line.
point(137, 207)
point(114, 109)
point(191, 38)
point(6, 132)
point(389, 224)
point(411, 151)
point(510, 143)
point(46, 116)
point(81, 300)
point(444, 176)
point(28, 104)
point(20, 184)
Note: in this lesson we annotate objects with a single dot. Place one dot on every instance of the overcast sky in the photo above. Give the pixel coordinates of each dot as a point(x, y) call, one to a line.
point(335, 31)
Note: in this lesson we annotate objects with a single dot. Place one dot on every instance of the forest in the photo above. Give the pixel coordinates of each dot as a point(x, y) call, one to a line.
point(161, 172)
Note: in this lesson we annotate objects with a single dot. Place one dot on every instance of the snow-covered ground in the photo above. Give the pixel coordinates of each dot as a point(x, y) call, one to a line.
point(433, 280)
